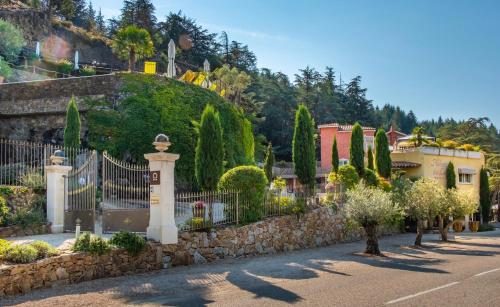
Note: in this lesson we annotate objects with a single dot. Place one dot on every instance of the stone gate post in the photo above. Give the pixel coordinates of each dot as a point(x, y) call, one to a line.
point(56, 191)
point(162, 201)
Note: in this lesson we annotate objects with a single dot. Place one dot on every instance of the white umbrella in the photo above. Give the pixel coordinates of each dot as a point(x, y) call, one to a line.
point(206, 66)
point(37, 49)
point(76, 61)
point(171, 59)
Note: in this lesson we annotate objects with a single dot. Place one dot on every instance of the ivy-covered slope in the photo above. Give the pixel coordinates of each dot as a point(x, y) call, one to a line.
point(152, 105)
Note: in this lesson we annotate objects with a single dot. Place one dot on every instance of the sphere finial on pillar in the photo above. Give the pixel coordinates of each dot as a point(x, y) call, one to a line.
point(57, 158)
point(161, 142)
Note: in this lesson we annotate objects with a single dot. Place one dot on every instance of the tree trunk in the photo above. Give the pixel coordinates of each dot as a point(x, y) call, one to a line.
point(443, 227)
point(420, 232)
point(371, 240)
point(131, 61)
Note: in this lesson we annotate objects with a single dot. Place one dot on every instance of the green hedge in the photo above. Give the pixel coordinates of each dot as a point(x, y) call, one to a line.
point(251, 182)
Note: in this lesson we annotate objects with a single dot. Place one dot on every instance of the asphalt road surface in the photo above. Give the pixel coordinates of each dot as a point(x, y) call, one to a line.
point(461, 273)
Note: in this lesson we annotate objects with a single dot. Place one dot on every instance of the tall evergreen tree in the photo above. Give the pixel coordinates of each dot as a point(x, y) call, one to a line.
point(484, 196)
point(90, 19)
point(73, 124)
point(209, 150)
point(358, 108)
point(451, 178)
point(140, 13)
point(357, 152)
point(370, 158)
point(304, 148)
point(269, 162)
point(80, 15)
point(382, 154)
point(100, 23)
point(335, 155)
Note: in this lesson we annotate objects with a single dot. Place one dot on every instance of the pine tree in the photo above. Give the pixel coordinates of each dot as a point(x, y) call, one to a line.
point(72, 129)
point(100, 23)
point(269, 162)
point(382, 154)
point(335, 155)
point(90, 19)
point(357, 153)
point(209, 150)
point(304, 149)
point(80, 16)
point(370, 158)
point(451, 179)
point(484, 196)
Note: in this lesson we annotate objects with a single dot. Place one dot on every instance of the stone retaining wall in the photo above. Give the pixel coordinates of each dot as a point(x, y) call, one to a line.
point(18, 231)
point(320, 227)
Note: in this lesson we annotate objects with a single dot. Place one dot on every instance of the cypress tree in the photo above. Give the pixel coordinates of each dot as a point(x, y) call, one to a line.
point(370, 158)
point(382, 154)
point(484, 196)
point(335, 155)
point(209, 150)
point(451, 178)
point(304, 148)
point(72, 129)
point(269, 162)
point(357, 152)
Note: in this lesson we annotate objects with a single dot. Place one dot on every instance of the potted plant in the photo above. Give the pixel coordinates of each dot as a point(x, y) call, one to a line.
point(199, 209)
point(457, 226)
point(474, 226)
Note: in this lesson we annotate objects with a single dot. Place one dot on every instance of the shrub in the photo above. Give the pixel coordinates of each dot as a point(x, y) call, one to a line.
point(382, 154)
point(28, 217)
point(4, 211)
point(269, 162)
point(91, 244)
point(335, 155)
point(451, 181)
point(43, 249)
point(87, 71)
point(450, 144)
point(12, 41)
point(22, 253)
point(251, 182)
point(347, 175)
point(5, 70)
point(131, 242)
point(486, 227)
point(370, 178)
point(279, 184)
point(73, 125)
point(4, 247)
point(64, 66)
point(33, 180)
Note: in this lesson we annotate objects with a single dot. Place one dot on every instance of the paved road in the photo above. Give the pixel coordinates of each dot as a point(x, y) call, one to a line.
point(462, 273)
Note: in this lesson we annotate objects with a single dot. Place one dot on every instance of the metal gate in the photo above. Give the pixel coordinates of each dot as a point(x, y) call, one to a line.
point(125, 195)
point(80, 194)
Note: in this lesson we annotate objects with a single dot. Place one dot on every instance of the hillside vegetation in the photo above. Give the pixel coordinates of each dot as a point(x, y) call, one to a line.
point(152, 105)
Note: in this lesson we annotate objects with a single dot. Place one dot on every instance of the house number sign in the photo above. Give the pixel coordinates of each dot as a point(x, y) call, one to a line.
point(154, 177)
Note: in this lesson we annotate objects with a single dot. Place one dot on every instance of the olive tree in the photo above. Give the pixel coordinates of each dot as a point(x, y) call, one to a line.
point(421, 202)
point(454, 204)
point(370, 207)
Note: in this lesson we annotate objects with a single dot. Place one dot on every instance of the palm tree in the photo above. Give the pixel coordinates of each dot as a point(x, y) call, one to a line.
point(417, 137)
point(132, 43)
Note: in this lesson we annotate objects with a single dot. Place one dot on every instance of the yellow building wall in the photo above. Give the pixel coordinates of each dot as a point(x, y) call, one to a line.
point(434, 166)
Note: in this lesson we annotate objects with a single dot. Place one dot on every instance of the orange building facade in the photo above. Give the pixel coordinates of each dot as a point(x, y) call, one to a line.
point(343, 134)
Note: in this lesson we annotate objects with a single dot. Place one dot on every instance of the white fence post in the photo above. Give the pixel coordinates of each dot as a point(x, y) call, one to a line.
point(162, 200)
point(56, 191)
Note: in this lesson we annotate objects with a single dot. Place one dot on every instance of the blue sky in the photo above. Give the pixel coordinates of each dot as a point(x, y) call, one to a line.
point(434, 57)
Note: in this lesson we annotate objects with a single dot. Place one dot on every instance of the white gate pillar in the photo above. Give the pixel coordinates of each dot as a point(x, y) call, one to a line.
point(162, 201)
point(56, 191)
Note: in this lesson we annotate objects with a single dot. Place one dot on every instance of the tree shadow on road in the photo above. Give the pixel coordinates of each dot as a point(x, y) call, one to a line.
point(395, 263)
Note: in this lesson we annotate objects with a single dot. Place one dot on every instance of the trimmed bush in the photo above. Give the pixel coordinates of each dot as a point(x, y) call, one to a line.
point(91, 244)
point(370, 159)
point(269, 162)
point(370, 178)
point(64, 67)
point(335, 155)
point(131, 242)
point(382, 154)
point(43, 249)
point(87, 71)
point(73, 124)
point(347, 175)
point(251, 182)
point(22, 253)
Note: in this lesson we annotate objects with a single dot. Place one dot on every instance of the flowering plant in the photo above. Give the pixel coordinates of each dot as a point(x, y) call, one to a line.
point(199, 205)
